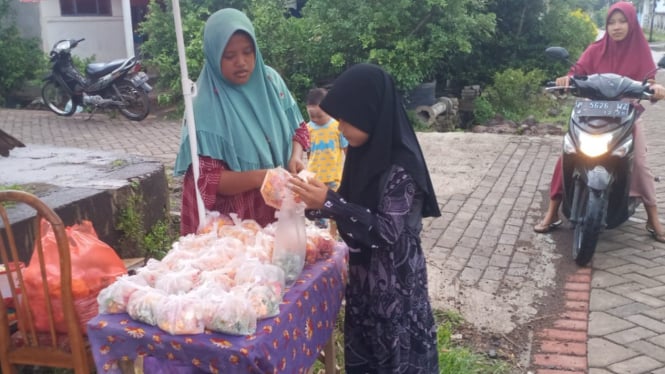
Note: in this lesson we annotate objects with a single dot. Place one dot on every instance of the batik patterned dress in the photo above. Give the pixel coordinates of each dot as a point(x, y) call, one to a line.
point(389, 326)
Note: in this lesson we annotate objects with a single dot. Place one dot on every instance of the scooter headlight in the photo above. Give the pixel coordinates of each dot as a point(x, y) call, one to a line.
point(594, 145)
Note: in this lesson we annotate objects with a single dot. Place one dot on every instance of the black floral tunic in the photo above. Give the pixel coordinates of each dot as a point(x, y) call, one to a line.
point(389, 327)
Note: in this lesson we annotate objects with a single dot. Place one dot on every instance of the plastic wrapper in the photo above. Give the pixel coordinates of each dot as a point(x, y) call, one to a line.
point(230, 314)
point(114, 298)
point(144, 303)
point(320, 245)
point(275, 186)
point(213, 221)
point(256, 273)
point(151, 271)
point(180, 314)
point(217, 279)
point(178, 282)
point(290, 239)
point(265, 302)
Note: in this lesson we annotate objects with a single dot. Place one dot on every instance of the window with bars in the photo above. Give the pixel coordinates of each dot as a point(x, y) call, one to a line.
point(85, 7)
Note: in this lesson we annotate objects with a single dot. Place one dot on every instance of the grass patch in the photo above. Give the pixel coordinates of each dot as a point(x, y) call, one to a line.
point(154, 242)
point(454, 357)
point(8, 187)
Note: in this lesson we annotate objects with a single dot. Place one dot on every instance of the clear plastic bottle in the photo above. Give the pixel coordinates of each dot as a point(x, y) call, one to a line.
point(290, 239)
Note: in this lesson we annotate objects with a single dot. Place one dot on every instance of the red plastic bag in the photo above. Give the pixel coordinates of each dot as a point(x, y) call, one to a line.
point(95, 265)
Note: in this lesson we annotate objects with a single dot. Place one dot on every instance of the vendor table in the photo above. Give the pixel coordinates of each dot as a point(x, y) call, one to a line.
point(287, 343)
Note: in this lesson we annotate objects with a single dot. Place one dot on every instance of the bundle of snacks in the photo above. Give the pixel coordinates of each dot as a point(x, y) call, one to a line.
point(115, 297)
point(274, 187)
point(180, 314)
point(230, 314)
point(221, 280)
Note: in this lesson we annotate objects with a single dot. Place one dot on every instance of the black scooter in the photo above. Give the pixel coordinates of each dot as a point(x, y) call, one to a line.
point(119, 84)
point(598, 154)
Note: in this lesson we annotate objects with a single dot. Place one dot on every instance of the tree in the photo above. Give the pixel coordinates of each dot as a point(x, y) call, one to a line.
point(524, 28)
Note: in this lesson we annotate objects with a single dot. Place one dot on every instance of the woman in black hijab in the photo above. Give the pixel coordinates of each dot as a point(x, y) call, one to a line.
point(384, 194)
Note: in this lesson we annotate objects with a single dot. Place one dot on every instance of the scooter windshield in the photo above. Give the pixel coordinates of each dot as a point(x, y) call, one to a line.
point(607, 86)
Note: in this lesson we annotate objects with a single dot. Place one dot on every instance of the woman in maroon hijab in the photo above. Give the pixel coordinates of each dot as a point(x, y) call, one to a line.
point(622, 50)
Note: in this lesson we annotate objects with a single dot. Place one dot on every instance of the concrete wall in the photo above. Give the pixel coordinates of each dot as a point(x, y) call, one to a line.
point(104, 35)
point(659, 19)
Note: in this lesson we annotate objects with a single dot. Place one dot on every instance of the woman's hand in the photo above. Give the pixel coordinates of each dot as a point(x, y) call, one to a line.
point(312, 193)
point(296, 163)
point(658, 91)
point(563, 81)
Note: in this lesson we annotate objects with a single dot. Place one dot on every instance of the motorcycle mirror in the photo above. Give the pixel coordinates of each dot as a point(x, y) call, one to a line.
point(661, 62)
point(557, 53)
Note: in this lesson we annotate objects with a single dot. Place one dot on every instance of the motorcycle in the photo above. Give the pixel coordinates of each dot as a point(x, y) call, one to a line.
point(598, 153)
point(119, 84)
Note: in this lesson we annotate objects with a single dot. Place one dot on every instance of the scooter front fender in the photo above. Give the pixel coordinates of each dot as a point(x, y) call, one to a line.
point(598, 178)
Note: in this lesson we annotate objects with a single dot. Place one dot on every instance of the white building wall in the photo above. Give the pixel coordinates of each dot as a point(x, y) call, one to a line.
point(659, 19)
point(104, 35)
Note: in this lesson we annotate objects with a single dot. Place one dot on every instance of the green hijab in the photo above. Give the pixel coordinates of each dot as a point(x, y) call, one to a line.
point(249, 126)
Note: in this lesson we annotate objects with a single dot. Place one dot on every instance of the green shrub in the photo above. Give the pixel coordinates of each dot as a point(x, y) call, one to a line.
point(483, 110)
point(21, 59)
point(516, 94)
point(154, 242)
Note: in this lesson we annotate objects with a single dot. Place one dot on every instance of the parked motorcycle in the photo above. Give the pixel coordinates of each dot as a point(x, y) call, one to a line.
point(119, 84)
point(598, 154)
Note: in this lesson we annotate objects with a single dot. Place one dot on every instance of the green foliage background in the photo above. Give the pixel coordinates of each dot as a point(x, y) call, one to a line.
point(21, 59)
point(455, 42)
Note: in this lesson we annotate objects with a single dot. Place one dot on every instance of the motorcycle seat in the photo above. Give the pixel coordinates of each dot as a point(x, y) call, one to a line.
point(98, 69)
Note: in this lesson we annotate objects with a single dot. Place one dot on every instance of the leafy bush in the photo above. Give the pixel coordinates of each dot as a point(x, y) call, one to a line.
point(483, 110)
point(21, 60)
point(515, 94)
point(406, 38)
point(523, 30)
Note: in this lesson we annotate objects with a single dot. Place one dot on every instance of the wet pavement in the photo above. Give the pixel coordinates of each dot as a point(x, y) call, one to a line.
point(484, 258)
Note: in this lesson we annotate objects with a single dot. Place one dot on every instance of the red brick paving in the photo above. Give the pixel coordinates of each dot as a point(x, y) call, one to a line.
point(562, 347)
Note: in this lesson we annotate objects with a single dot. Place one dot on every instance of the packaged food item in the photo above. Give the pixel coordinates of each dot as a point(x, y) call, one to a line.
point(290, 239)
point(180, 314)
point(230, 314)
point(263, 299)
point(144, 303)
point(115, 297)
point(256, 273)
point(274, 188)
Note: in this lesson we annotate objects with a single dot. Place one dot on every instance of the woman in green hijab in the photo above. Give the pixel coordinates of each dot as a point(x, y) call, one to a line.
point(246, 123)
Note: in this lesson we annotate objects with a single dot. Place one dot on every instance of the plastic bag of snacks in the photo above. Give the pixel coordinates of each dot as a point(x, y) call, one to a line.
point(180, 314)
point(230, 314)
point(114, 298)
point(274, 187)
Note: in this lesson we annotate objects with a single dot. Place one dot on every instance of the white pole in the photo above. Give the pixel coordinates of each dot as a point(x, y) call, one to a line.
point(188, 91)
point(127, 23)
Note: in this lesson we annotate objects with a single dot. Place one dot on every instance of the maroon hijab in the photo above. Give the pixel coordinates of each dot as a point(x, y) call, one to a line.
point(630, 57)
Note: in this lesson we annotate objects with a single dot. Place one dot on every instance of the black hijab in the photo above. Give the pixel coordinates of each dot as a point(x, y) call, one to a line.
point(365, 97)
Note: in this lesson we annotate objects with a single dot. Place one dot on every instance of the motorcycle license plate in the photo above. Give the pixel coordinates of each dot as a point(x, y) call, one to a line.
point(139, 78)
point(595, 108)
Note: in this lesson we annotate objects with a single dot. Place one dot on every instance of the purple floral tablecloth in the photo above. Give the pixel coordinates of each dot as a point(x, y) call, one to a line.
point(287, 343)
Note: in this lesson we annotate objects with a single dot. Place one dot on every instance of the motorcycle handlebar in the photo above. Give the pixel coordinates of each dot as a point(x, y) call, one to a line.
point(585, 85)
